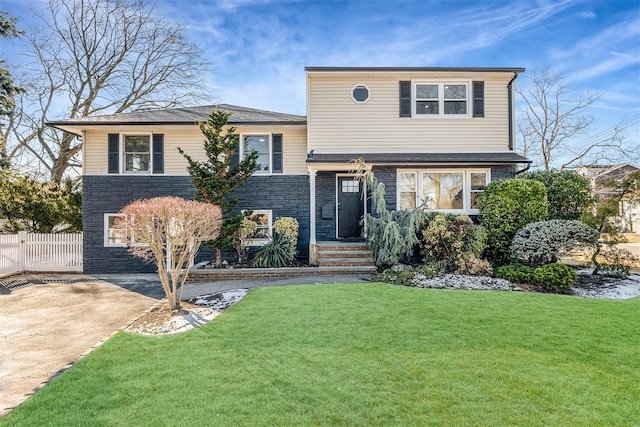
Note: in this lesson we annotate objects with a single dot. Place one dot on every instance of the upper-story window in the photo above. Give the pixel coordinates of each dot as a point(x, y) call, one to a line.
point(137, 153)
point(261, 144)
point(269, 148)
point(435, 99)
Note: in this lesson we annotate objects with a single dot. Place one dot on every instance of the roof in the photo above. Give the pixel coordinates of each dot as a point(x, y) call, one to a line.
point(419, 158)
point(185, 115)
point(416, 69)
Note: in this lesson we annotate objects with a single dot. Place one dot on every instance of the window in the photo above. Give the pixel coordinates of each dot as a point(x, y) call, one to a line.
point(137, 153)
point(262, 145)
point(264, 220)
point(360, 94)
point(449, 190)
point(441, 99)
point(114, 234)
point(407, 190)
point(442, 191)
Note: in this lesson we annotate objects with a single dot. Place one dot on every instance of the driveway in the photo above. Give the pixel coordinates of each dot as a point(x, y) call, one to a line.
point(46, 326)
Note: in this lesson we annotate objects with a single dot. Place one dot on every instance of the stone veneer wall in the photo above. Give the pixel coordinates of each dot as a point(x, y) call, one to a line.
point(326, 194)
point(285, 195)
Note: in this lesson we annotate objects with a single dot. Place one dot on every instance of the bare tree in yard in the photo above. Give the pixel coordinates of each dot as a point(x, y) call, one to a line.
point(552, 119)
point(169, 225)
point(92, 57)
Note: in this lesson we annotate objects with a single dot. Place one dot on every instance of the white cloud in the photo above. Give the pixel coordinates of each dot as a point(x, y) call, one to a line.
point(587, 14)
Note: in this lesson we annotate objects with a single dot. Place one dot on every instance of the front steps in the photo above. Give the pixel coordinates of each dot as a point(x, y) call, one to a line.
point(351, 257)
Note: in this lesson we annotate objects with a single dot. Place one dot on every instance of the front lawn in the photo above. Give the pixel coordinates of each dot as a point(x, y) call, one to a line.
point(363, 355)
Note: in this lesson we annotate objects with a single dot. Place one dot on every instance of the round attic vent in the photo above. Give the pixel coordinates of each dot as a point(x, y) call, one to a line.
point(360, 93)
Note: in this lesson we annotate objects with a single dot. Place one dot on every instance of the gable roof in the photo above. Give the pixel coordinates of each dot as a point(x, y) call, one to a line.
point(183, 116)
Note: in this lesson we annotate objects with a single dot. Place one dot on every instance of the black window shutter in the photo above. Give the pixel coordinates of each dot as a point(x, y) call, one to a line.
point(478, 99)
point(405, 99)
point(113, 157)
point(235, 157)
point(276, 153)
point(158, 153)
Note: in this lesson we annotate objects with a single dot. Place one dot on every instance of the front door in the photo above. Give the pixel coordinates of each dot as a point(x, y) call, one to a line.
point(350, 206)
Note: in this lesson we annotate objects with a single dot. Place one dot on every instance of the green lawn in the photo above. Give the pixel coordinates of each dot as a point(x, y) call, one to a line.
point(365, 355)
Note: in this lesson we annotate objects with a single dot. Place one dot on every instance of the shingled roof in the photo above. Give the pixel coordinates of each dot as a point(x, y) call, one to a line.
point(185, 115)
point(420, 158)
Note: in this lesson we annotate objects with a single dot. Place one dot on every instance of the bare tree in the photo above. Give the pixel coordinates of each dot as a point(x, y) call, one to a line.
point(552, 119)
point(168, 231)
point(93, 57)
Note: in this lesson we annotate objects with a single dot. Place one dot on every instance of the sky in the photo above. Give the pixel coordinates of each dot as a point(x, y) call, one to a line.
point(259, 48)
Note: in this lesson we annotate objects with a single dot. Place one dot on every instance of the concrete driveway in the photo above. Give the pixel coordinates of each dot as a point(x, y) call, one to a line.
point(45, 327)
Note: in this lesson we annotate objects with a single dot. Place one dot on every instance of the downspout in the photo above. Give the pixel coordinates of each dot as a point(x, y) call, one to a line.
point(524, 170)
point(510, 96)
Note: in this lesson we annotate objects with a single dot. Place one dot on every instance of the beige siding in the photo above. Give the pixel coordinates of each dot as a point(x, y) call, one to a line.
point(190, 139)
point(338, 124)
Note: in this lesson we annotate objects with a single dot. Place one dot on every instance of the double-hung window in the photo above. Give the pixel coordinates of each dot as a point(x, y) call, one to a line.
point(446, 190)
point(438, 99)
point(136, 153)
point(115, 232)
point(261, 144)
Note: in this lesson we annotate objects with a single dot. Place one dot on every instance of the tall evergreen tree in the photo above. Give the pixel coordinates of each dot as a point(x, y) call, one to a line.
point(217, 177)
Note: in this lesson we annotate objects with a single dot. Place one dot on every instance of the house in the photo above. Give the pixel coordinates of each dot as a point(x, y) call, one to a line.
point(600, 176)
point(434, 136)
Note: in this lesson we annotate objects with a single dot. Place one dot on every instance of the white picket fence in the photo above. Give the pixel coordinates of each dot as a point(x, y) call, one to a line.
point(40, 252)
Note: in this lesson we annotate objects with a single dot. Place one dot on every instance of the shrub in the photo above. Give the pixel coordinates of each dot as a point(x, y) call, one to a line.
point(569, 194)
point(275, 254)
point(544, 242)
point(516, 273)
point(453, 242)
point(288, 227)
point(471, 266)
point(241, 238)
point(554, 277)
point(505, 207)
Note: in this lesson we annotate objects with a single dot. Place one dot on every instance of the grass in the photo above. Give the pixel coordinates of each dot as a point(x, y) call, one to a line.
point(363, 355)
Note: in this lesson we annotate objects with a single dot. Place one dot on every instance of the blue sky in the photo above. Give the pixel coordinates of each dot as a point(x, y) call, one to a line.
point(259, 48)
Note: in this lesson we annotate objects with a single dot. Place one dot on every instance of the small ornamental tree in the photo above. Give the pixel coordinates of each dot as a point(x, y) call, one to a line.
point(569, 194)
point(603, 215)
point(216, 177)
point(168, 231)
point(505, 207)
point(391, 235)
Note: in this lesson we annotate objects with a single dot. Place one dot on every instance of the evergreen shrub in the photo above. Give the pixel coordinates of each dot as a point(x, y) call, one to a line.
point(544, 242)
point(554, 277)
point(515, 273)
point(569, 194)
point(505, 207)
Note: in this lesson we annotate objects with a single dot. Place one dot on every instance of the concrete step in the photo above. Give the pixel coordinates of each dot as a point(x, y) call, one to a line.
point(337, 262)
point(360, 253)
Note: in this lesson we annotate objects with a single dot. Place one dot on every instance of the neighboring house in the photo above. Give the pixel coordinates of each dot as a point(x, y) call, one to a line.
point(600, 177)
point(434, 136)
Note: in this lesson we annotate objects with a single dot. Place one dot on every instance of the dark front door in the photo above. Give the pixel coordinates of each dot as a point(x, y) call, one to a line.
point(350, 207)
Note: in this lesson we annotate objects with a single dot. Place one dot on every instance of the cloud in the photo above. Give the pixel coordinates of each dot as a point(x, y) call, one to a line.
point(587, 14)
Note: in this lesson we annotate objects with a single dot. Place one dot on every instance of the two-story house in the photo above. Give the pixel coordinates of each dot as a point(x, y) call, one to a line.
point(435, 136)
